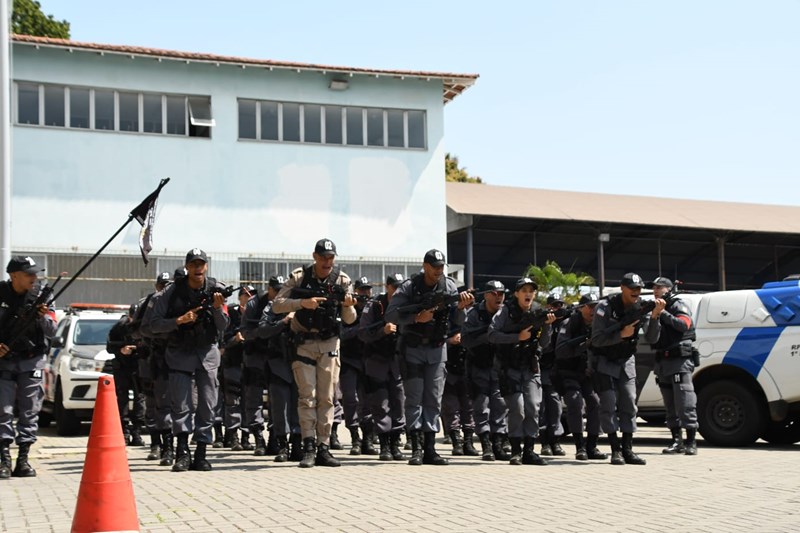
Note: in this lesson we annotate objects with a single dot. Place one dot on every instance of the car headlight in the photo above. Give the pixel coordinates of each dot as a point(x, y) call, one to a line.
point(79, 364)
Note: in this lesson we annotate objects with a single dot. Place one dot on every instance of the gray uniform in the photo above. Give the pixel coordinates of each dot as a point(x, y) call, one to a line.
point(162, 413)
point(572, 364)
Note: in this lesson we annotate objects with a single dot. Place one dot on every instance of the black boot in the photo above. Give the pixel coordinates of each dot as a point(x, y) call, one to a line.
point(136, 436)
point(580, 448)
point(497, 447)
point(5, 459)
point(415, 436)
point(676, 446)
point(309, 453)
point(355, 442)
point(530, 457)
point(429, 455)
point(155, 446)
point(334, 441)
point(616, 449)
point(233, 440)
point(167, 448)
point(183, 457)
point(272, 447)
point(486, 446)
point(458, 444)
point(23, 467)
point(200, 464)
point(691, 442)
point(627, 451)
point(220, 441)
point(547, 438)
point(469, 446)
point(555, 446)
point(368, 431)
point(324, 457)
point(296, 442)
point(385, 454)
point(516, 451)
point(260, 449)
point(408, 444)
point(283, 449)
point(591, 449)
point(246, 444)
point(394, 445)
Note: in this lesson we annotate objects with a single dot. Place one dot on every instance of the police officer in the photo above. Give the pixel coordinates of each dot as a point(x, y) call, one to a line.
point(489, 407)
point(518, 339)
point(191, 312)
point(456, 401)
point(615, 334)
point(674, 367)
point(550, 416)
point(25, 334)
point(125, 365)
point(320, 296)
point(422, 307)
point(571, 365)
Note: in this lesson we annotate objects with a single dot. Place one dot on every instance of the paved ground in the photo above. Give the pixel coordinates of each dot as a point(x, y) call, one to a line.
point(753, 489)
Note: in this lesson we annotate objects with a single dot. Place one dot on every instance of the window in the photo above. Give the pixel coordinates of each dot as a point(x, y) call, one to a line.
point(291, 122)
point(416, 129)
point(312, 123)
point(375, 127)
point(54, 112)
point(27, 103)
point(128, 112)
point(355, 126)
point(176, 115)
point(152, 113)
point(269, 121)
point(394, 120)
point(79, 101)
point(103, 110)
point(333, 124)
point(247, 119)
point(200, 121)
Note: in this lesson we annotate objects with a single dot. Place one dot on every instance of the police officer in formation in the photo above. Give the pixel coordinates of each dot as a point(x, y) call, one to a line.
point(190, 312)
point(421, 307)
point(615, 334)
point(25, 333)
point(674, 368)
point(550, 416)
point(320, 297)
point(456, 401)
point(125, 365)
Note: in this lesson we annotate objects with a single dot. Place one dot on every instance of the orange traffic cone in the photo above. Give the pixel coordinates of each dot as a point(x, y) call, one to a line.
point(105, 499)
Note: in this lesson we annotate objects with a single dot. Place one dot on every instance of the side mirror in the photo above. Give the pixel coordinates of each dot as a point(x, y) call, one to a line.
point(58, 342)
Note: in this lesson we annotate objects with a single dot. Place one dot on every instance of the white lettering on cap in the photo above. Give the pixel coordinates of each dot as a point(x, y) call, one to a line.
point(280, 280)
point(439, 256)
point(197, 251)
point(636, 278)
point(328, 245)
point(30, 261)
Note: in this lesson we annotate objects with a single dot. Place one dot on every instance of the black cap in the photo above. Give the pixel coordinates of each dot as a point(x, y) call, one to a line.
point(521, 282)
point(22, 263)
point(434, 257)
point(589, 299)
point(325, 247)
point(395, 279)
point(632, 281)
point(494, 285)
point(195, 254)
point(276, 282)
point(247, 289)
point(180, 272)
point(663, 282)
point(362, 282)
point(163, 278)
point(554, 300)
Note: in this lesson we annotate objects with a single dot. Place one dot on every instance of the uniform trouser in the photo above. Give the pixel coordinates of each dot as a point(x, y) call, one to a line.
point(27, 390)
point(316, 386)
point(232, 397)
point(181, 385)
point(126, 379)
point(551, 409)
point(163, 403)
point(488, 406)
point(523, 396)
point(385, 394)
point(617, 402)
point(424, 386)
point(354, 406)
point(580, 395)
point(255, 381)
point(680, 400)
point(338, 410)
point(457, 404)
point(146, 382)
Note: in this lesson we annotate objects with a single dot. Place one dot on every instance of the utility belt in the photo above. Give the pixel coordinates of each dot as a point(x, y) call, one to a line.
point(305, 336)
point(683, 350)
point(9, 375)
point(414, 341)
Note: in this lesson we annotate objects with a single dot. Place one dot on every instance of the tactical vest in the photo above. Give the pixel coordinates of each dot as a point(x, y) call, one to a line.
point(352, 348)
point(521, 355)
point(33, 342)
point(386, 345)
point(325, 318)
point(482, 355)
point(433, 332)
point(201, 333)
point(670, 338)
point(626, 348)
point(258, 345)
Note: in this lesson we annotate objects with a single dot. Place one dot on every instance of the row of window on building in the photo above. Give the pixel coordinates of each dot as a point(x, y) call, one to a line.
point(96, 109)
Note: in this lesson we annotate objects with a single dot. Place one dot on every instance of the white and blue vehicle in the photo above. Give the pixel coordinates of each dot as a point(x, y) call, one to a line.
point(748, 383)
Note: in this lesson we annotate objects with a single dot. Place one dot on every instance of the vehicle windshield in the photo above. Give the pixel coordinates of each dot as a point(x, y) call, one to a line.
point(92, 332)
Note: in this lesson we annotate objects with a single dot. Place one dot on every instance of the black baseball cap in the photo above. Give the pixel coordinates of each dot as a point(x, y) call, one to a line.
point(196, 254)
point(23, 263)
point(395, 279)
point(180, 272)
point(276, 282)
point(521, 282)
point(494, 285)
point(663, 282)
point(434, 258)
point(589, 299)
point(553, 300)
point(247, 289)
point(362, 282)
point(632, 281)
point(163, 278)
point(325, 247)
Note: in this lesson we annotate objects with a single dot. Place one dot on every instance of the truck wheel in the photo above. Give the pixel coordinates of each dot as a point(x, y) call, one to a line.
point(730, 414)
point(783, 433)
point(66, 422)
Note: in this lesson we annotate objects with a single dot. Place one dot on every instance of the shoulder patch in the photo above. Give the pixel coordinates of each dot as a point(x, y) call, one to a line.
point(600, 311)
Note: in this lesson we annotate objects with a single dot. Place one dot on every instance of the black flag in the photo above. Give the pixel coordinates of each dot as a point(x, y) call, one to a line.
point(145, 214)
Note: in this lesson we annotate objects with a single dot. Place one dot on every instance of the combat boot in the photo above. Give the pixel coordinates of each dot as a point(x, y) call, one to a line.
point(580, 448)
point(220, 441)
point(394, 446)
point(385, 454)
point(324, 457)
point(529, 456)
point(167, 449)
point(155, 446)
point(616, 449)
point(183, 457)
point(676, 446)
point(591, 449)
point(246, 444)
point(408, 444)
point(627, 451)
point(233, 441)
point(272, 447)
point(309, 453)
point(296, 442)
point(136, 436)
point(261, 445)
point(505, 443)
point(458, 444)
point(415, 436)
point(5, 459)
point(691, 441)
point(486, 447)
point(469, 446)
point(555, 446)
point(334, 440)
point(429, 455)
point(497, 447)
point(355, 442)
point(516, 451)
point(23, 467)
point(367, 446)
point(283, 449)
point(200, 463)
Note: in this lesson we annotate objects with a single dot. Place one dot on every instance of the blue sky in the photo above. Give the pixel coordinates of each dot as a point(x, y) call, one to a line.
point(681, 99)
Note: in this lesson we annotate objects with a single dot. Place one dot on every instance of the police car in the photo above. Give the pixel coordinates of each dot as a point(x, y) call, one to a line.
point(76, 360)
point(748, 383)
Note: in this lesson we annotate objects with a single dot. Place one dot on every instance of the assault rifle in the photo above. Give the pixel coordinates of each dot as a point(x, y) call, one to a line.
point(436, 300)
point(26, 317)
point(332, 292)
point(535, 319)
point(638, 311)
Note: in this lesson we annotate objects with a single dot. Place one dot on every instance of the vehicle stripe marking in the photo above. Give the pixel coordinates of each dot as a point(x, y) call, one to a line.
point(752, 347)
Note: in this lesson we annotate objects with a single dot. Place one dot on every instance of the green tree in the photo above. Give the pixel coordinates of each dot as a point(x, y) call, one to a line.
point(452, 172)
point(28, 19)
point(550, 277)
